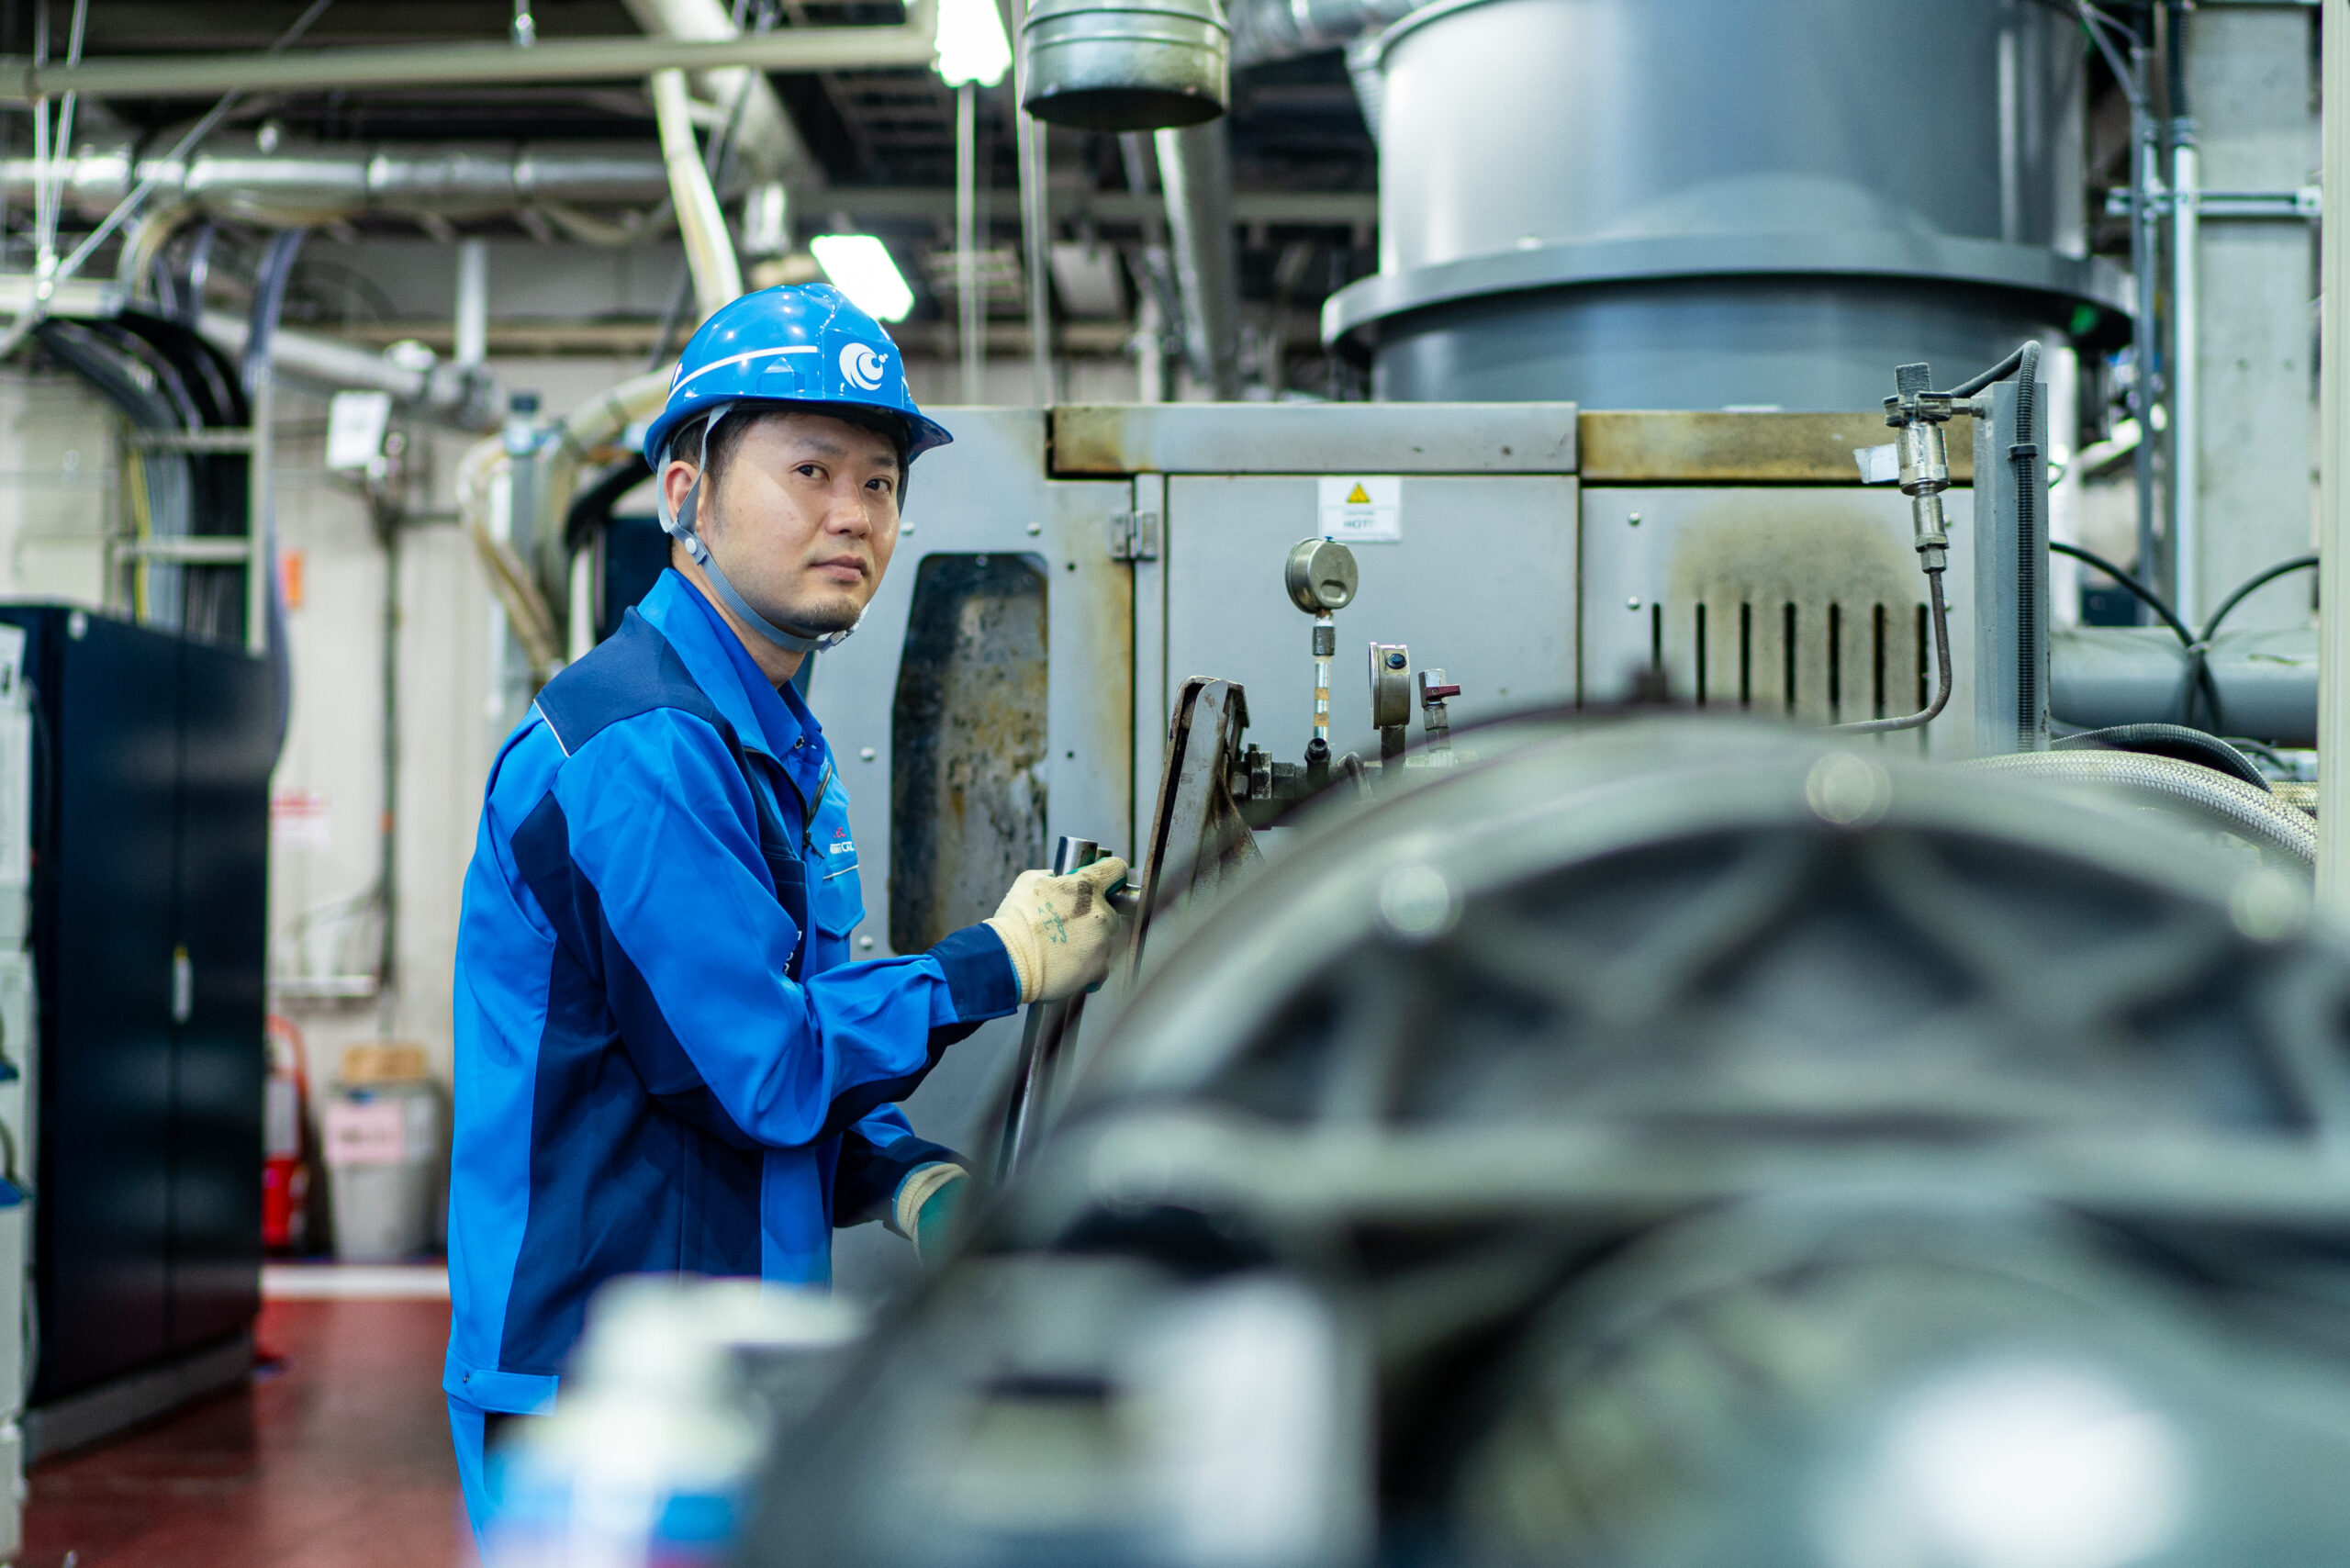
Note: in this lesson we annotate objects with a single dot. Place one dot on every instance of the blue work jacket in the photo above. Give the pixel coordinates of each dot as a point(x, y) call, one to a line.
point(666, 1062)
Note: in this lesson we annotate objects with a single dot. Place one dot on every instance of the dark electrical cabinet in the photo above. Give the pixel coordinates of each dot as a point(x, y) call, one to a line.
point(151, 833)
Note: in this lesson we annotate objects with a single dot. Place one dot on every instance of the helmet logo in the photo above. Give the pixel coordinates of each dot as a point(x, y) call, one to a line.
point(862, 367)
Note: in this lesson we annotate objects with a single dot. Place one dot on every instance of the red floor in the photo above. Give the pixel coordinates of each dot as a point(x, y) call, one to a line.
point(338, 1459)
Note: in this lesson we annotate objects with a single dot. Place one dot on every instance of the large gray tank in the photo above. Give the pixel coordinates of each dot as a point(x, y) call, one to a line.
point(1677, 203)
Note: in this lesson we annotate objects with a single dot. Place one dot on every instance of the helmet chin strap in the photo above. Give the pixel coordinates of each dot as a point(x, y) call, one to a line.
point(680, 525)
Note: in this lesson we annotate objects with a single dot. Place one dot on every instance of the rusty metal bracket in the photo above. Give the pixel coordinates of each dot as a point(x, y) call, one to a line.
point(1198, 837)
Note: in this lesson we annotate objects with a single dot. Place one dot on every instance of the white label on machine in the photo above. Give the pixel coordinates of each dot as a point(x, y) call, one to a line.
point(1360, 509)
point(364, 1132)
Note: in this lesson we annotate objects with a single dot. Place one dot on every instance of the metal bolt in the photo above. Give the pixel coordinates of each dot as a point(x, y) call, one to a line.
point(1035, 528)
point(866, 754)
point(1631, 604)
point(1395, 661)
point(866, 943)
point(1635, 519)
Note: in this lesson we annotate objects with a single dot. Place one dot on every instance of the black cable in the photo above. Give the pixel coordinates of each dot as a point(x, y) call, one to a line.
point(2175, 741)
point(592, 511)
point(2152, 599)
point(2198, 668)
point(2252, 584)
point(2276, 758)
point(2000, 372)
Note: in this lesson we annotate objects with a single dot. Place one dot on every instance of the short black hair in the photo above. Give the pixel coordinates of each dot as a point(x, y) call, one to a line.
point(688, 439)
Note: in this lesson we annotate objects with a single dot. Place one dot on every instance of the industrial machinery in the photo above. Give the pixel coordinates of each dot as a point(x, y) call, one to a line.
point(1658, 1141)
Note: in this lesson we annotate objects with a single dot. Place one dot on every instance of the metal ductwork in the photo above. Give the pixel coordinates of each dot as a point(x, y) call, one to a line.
point(295, 186)
point(1686, 204)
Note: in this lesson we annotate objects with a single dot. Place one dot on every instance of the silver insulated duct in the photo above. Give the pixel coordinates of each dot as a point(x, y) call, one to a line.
point(1693, 204)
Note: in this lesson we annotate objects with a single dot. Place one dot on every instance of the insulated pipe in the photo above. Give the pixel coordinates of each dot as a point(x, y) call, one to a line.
point(302, 185)
point(764, 138)
point(709, 249)
point(1196, 169)
point(2333, 493)
point(599, 421)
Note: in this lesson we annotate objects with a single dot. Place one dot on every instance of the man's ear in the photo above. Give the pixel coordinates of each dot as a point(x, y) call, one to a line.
point(676, 480)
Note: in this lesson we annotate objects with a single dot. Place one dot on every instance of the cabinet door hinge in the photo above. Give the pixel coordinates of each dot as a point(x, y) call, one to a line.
point(1134, 536)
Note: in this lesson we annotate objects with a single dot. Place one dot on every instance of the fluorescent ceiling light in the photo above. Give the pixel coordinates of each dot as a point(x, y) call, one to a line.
point(971, 45)
point(860, 267)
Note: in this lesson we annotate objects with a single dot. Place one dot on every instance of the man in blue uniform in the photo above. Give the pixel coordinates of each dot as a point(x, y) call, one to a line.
point(666, 1062)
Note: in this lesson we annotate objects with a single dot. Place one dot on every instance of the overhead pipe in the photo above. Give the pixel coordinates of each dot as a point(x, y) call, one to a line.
point(456, 395)
point(1195, 171)
point(764, 138)
point(911, 43)
point(299, 186)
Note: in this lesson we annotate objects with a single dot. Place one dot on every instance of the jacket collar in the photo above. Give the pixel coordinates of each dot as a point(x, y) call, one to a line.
point(765, 722)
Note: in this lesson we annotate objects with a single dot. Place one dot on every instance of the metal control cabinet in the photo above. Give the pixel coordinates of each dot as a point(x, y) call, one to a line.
point(150, 837)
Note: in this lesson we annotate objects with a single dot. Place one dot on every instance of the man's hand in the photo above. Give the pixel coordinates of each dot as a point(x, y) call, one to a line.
point(1057, 929)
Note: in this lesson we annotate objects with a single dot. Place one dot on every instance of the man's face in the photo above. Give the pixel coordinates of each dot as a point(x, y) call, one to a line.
point(805, 518)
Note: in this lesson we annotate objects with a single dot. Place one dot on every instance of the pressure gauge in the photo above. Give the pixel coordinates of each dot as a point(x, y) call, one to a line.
point(1320, 576)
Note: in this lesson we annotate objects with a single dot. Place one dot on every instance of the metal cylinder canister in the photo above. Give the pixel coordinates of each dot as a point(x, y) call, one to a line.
point(1125, 65)
point(1700, 204)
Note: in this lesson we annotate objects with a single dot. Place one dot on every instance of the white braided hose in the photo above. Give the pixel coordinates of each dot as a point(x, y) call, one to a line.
point(2227, 803)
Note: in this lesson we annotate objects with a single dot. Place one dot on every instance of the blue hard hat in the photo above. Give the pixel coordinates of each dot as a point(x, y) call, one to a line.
point(798, 344)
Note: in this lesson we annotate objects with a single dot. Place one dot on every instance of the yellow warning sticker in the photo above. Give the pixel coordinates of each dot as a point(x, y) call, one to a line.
point(1361, 509)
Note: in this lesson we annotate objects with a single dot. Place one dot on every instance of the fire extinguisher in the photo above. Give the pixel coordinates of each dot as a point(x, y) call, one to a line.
point(285, 1171)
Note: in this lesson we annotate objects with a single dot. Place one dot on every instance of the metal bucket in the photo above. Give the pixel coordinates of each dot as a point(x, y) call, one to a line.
point(1125, 65)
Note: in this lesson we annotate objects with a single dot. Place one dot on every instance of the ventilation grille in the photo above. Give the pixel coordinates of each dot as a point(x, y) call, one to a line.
point(1801, 609)
point(1819, 663)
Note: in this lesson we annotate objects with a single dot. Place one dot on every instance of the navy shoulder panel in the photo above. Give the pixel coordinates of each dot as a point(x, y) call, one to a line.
point(632, 671)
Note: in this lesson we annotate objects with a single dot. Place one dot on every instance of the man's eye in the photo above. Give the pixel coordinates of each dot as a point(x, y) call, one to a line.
point(807, 469)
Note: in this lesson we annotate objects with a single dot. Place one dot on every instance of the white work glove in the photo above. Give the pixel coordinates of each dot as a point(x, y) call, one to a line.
point(1057, 929)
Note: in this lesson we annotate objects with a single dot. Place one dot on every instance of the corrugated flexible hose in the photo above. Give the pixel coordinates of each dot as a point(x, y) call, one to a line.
point(2251, 815)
